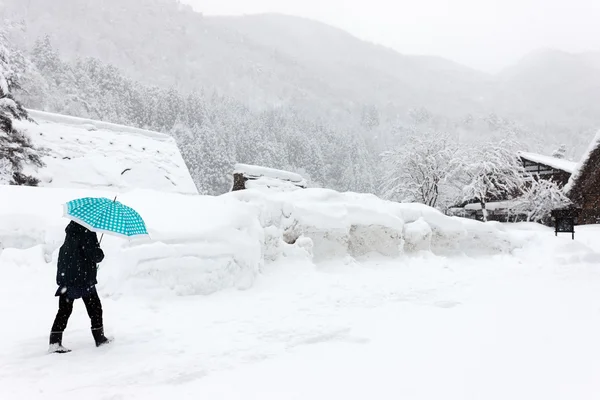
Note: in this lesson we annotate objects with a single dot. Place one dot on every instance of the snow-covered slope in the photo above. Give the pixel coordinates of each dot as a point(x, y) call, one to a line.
point(553, 85)
point(81, 153)
point(260, 60)
point(265, 60)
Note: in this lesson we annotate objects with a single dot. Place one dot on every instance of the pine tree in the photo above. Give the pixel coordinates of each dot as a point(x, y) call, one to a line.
point(16, 148)
point(357, 165)
point(206, 156)
point(305, 155)
point(370, 118)
point(10, 109)
point(47, 59)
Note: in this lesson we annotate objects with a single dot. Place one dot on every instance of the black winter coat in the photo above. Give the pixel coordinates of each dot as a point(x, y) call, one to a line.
point(78, 257)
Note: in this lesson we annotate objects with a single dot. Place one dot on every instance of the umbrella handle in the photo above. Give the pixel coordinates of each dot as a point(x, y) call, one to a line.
point(102, 236)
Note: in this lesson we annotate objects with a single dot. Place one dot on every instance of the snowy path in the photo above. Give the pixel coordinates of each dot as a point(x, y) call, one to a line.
point(417, 328)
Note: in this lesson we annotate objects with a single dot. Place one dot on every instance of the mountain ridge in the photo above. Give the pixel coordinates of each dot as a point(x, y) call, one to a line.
point(238, 57)
point(273, 60)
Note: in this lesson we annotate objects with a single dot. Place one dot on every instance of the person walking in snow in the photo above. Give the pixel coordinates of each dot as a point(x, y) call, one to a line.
point(76, 278)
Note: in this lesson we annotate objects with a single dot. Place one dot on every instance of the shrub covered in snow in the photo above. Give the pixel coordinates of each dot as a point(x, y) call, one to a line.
point(540, 198)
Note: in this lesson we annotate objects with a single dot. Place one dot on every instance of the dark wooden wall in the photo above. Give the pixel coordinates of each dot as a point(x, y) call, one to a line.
point(545, 172)
point(590, 209)
point(586, 190)
point(239, 182)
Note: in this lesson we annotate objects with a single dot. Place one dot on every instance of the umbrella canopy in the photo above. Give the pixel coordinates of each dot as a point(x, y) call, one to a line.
point(103, 215)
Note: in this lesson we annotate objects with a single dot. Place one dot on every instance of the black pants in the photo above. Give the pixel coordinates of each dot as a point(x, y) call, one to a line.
point(65, 308)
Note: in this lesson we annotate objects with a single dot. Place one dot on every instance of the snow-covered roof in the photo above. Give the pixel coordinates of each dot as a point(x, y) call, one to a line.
point(83, 153)
point(579, 172)
point(255, 172)
point(553, 162)
point(494, 205)
point(90, 124)
point(272, 184)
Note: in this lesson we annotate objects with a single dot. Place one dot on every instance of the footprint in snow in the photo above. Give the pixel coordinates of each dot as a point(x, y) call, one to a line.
point(341, 335)
point(447, 304)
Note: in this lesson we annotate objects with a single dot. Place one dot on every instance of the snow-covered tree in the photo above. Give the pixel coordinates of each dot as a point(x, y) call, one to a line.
point(305, 155)
point(494, 122)
point(47, 59)
point(491, 172)
point(421, 170)
point(338, 151)
point(16, 148)
point(419, 115)
point(539, 198)
point(370, 118)
point(354, 164)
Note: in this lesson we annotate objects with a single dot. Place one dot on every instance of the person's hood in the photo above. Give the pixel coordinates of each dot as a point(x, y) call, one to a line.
point(75, 229)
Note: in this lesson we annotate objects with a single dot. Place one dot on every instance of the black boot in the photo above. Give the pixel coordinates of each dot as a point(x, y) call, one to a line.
point(56, 343)
point(99, 337)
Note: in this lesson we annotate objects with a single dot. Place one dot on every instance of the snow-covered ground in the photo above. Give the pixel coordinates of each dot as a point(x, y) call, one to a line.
point(344, 297)
point(82, 153)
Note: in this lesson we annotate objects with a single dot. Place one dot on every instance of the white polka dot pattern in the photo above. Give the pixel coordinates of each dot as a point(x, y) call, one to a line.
point(100, 214)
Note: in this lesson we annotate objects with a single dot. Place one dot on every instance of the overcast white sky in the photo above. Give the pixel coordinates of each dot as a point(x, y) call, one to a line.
point(484, 34)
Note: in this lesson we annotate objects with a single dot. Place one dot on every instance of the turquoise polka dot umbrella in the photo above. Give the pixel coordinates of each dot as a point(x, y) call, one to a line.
point(103, 215)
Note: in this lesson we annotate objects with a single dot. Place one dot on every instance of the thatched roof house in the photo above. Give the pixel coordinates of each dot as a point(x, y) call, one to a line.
point(547, 167)
point(584, 186)
point(502, 207)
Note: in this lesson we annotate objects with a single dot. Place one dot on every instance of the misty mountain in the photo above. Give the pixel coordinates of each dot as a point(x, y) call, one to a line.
point(556, 83)
point(268, 61)
point(262, 60)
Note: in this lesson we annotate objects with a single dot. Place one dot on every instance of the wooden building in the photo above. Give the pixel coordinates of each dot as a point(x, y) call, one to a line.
point(548, 168)
point(584, 187)
point(501, 208)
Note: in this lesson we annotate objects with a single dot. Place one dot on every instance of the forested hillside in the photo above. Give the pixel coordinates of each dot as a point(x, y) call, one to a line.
point(260, 60)
point(285, 92)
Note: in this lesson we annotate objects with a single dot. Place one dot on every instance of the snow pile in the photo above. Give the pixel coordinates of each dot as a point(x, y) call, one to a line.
point(81, 153)
point(493, 205)
point(557, 163)
point(197, 245)
point(203, 244)
point(254, 172)
point(352, 224)
point(418, 235)
point(272, 184)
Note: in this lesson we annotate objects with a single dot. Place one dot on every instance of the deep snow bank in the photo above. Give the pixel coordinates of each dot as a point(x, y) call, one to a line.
point(198, 245)
point(338, 224)
point(202, 244)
